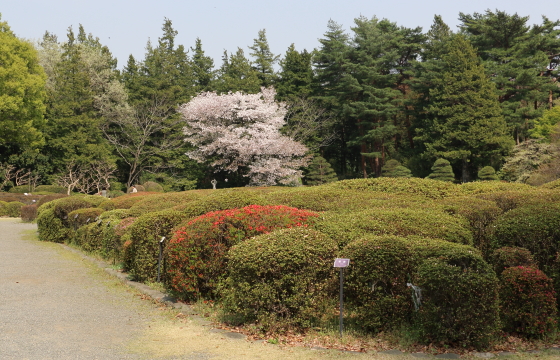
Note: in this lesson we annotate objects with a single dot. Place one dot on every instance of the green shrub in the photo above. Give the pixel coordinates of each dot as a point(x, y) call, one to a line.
point(510, 256)
point(535, 228)
point(459, 300)
point(50, 227)
point(393, 168)
point(221, 199)
point(508, 200)
point(479, 213)
point(20, 189)
point(12, 209)
point(152, 186)
point(65, 206)
point(115, 193)
point(377, 297)
point(80, 217)
point(282, 279)
point(430, 223)
point(125, 201)
point(528, 305)
point(29, 212)
point(196, 255)
point(51, 189)
point(142, 248)
point(442, 171)
point(165, 201)
point(408, 186)
point(319, 172)
point(47, 198)
point(484, 187)
point(487, 173)
point(553, 185)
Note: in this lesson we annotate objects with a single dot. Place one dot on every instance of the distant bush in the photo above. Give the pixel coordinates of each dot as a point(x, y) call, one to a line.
point(281, 280)
point(152, 186)
point(115, 193)
point(393, 168)
point(484, 187)
point(29, 212)
point(158, 202)
point(528, 304)
point(20, 189)
point(320, 172)
point(459, 300)
point(51, 189)
point(430, 223)
point(142, 247)
point(47, 198)
point(442, 171)
point(125, 201)
point(510, 256)
point(376, 293)
point(196, 255)
point(10, 209)
point(508, 200)
point(409, 186)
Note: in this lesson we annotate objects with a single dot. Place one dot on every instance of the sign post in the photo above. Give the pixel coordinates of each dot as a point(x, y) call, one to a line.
point(341, 264)
point(160, 257)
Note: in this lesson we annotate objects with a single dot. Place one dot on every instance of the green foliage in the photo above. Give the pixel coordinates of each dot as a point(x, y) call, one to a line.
point(320, 172)
point(554, 185)
point(11, 209)
point(50, 226)
point(442, 171)
point(478, 212)
point(507, 200)
point(47, 198)
point(487, 173)
point(125, 201)
point(22, 85)
point(488, 187)
point(196, 255)
point(524, 159)
point(511, 256)
point(393, 168)
point(296, 74)
point(65, 206)
point(142, 247)
point(377, 297)
point(152, 186)
point(264, 60)
point(535, 228)
point(528, 302)
point(544, 126)
point(237, 74)
point(281, 280)
point(159, 202)
point(80, 217)
point(411, 186)
point(429, 223)
point(221, 199)
point(51, 188)
point(459, 300)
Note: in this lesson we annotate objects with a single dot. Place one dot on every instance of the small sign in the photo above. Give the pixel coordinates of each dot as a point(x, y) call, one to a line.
point(162, 239)
point(341, 263)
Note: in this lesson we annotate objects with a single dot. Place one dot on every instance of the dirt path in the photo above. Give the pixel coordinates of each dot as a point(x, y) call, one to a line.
point(56, 305)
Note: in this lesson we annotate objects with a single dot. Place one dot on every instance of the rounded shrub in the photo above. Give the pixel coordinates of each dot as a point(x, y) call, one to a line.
point(442, 171)
point(535, 228)
point(84, 216)
point(377, 296)
point(20, 189)
point(430, 223)
point(282, 279)
point(50, 227)
point(222, 199)
point(125, 201)
point(487, 173)
point(47, 198)
point(479, 214)
point(459, 300)
point(51, 189)
point(509, 256)
point(65, 206)
point(528, 302)
point(553, 185)
point(196, 255)
point(508, 200)
point(13, 209)
point(29, 212)
point(408, 186)
point(141, 250)
point(160, 202)
point(152, 186)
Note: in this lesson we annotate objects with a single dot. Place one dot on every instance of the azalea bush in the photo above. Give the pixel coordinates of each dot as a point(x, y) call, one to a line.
point(510, 256)
point(528, 302)
point(196, 255)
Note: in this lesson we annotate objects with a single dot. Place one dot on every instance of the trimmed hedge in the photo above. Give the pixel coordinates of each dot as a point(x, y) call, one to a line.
point(430, 223)
point(222, 199)
point(377, 296)
point(485, 187)
point(141, 249)
point(152, 186)
point(125, 201)
point(165, 201)
point(553, 185)
point(50, 227)
point(80, 217)
point(509, 256)
point(47, 198)
point(479, 213)
point(196, 255)
point(11, 209)
point(29, 212)
point(535, 228)
point(528, 302)
point(459, 300)
point(52, 189)
point(508, 200)
point(281, 280)
point(433, 189)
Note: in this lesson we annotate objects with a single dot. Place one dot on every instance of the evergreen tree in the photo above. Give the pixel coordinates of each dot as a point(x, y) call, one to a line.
point(393, 168)
point(264, 60)
point(487, 173)
point(520, 61)
point(237, 74)
point(442, 170)
point(464, 121)
point(296, 75)
point(320, 172)
point(202, 68)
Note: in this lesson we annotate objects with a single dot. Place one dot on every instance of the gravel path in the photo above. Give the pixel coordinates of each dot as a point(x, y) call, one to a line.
point(51, 307)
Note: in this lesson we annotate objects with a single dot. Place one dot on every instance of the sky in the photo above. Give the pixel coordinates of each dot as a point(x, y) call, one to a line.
point(125, 26)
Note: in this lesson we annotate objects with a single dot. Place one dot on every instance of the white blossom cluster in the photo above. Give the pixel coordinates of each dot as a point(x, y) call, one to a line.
point(243, 130)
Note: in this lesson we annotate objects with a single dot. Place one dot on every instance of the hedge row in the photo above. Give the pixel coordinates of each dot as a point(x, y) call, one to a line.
point(11, 209)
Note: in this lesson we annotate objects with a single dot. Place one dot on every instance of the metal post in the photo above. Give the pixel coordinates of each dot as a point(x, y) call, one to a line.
point(341, 300)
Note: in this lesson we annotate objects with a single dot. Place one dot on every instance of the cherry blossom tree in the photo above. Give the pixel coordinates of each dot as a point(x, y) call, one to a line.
point(241, 132)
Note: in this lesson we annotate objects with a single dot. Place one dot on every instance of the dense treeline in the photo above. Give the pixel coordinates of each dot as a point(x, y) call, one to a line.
point(485, 95)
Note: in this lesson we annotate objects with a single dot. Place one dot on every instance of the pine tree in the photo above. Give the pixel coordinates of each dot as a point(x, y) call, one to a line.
point(464, 121)
point(487, 173)
point(237, 74)
point(296, 75)
point(320, 172)
point(442, 170)
point(264, 60)
point(202, 68)
point(393, 168)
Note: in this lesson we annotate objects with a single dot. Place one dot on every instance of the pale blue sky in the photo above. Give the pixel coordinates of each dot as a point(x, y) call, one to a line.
point(126, 26)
